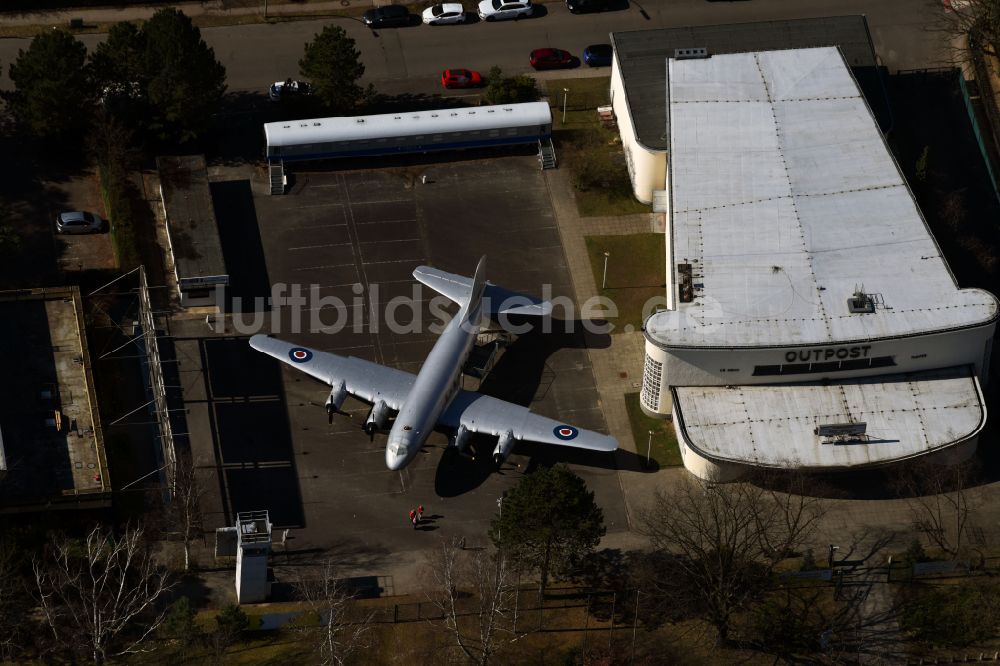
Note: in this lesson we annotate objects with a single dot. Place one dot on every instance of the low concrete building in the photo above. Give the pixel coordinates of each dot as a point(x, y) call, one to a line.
point(52, 448)
point(192, 230)
point(812, 321)
point(639, 78)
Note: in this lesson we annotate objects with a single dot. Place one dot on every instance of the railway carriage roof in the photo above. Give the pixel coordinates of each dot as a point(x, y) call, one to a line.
point(414, 123)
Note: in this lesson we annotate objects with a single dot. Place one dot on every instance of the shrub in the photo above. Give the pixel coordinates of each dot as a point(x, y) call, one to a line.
point(502, 89)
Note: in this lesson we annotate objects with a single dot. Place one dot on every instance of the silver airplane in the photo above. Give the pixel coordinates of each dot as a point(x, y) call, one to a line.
point(434, 399)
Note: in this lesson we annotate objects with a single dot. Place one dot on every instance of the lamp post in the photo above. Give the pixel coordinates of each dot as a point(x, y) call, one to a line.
point(832, 550)
point(565, 97)
point(604, 278)
point(649, 447)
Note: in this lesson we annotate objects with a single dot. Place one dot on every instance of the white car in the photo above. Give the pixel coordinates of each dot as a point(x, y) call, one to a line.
point(289, 87)
point(498, 10)
point(449, 12)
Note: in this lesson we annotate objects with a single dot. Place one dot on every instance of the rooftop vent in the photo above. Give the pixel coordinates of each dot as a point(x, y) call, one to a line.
point(359, 120)
point(690, 54)
point(861, 302)
point(686, 286)
point(842, 433)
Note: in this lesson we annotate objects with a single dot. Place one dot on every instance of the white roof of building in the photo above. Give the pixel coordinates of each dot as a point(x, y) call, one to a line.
point(785, 200)
point(906, 415)
point(408, 123)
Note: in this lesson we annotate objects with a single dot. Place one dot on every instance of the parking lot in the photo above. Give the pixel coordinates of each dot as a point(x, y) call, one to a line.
point(337, 229)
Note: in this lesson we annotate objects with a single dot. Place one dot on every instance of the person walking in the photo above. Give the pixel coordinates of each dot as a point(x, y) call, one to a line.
point(413, 518)
point(420, 512)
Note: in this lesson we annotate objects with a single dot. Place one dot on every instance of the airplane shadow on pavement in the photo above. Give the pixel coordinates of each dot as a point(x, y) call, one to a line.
point(522, 376)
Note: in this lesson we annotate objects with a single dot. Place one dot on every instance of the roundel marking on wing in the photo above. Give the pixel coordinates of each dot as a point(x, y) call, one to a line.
point(299, 355)
point(565, 432)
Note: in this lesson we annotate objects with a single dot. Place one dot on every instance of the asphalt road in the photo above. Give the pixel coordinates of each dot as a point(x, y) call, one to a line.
point(409, 59)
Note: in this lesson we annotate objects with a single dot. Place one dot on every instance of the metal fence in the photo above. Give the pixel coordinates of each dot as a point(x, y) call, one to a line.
point(154, 369)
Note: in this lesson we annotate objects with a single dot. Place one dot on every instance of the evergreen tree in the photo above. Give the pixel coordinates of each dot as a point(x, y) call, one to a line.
point(548, 522)
point(52, 90)
point(332, 63)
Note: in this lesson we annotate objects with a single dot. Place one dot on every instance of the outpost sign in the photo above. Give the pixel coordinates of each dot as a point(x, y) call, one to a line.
point(827, 353)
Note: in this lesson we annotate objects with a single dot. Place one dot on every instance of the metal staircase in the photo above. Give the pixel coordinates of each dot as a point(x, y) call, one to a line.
point(547, 154)
point(276, 172)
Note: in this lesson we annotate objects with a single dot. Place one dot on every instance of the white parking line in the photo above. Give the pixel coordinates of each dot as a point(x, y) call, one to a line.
point(401, 240)
point(380, 201)
point(360, 224)
point(394, 261)
point(311, 247)
point(313, 268)
point(321, 226)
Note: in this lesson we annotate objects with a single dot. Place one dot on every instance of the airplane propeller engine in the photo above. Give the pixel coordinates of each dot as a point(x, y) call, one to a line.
point(377, 419)
point(504, 446)
point(460, 439)
point(334, 402)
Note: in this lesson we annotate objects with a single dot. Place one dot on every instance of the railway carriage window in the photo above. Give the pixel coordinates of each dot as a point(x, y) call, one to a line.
point(437, 138)
point(495, 132)
point(512, 131)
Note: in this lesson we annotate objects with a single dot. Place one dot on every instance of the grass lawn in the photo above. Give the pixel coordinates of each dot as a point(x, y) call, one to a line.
point(592, 152)
point(636, 267)
point(664, 448)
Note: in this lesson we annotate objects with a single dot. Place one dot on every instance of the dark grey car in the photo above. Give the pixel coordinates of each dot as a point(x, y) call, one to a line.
point(390, 16)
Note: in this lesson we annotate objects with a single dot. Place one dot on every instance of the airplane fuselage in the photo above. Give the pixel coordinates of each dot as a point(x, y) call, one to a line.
point(437, 383)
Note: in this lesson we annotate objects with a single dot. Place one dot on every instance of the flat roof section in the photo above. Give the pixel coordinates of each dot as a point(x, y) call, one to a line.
point(52, 437)
point(906, 415)
point(642, 56)
point(191, 225)
point(786, 201)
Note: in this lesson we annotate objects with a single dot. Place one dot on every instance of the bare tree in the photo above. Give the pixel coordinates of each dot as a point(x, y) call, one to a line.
point(185, 505)
point(722, 542)
point(481, 622)
point(12, 601)
point(940, 502)
point(341, 632)
point(101, 595)
point(975, 20)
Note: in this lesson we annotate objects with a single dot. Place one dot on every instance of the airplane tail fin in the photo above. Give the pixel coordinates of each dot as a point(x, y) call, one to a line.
point(478, 285)
point(469, 291)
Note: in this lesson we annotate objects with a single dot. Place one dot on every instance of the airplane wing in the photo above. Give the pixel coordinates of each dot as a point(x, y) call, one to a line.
point(484, 414)
point(363, 379)
point(477, 412)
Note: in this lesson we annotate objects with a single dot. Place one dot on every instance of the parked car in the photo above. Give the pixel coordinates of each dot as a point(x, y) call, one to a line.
point(288, 87)
point(390, 16)
point(551, 59)
point(449, 12)
point(78, 222)
point(598, 55)
point(588, 6)
point(498, 10)
point(461, 78)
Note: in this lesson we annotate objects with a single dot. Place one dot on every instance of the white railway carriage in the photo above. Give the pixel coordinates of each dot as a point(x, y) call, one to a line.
point(408, 132)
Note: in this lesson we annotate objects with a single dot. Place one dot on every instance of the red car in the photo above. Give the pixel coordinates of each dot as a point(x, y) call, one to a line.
point(461, 78)
point(551, 59)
